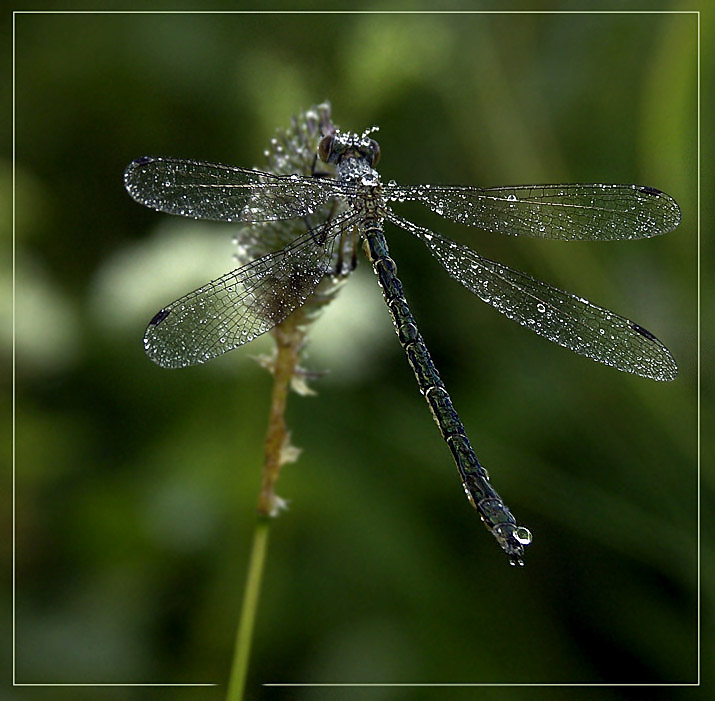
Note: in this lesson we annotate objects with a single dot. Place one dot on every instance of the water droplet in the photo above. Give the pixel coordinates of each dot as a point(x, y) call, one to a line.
point(541, 308)
point(470, 497)
point(523, 535)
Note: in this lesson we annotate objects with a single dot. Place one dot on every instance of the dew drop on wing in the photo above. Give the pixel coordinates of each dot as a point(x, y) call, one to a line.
point(643, 332)
point(159, 317)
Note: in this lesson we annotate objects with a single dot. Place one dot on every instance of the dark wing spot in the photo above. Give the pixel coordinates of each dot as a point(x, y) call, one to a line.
point(143, 160)
point(159, 317)
point(649, 190)
point(643, 332)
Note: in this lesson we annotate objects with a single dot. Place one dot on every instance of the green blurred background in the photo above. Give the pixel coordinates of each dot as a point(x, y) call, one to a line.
point(136, 486)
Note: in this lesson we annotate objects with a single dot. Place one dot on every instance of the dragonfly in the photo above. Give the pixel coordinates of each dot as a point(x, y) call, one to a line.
point(232, 310)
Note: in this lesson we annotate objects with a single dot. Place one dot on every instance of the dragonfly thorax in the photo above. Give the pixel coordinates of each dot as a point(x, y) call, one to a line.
point(354, 156)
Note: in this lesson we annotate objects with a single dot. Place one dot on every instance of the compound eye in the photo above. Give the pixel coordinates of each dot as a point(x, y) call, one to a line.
point(325, 148)
point(375, 150)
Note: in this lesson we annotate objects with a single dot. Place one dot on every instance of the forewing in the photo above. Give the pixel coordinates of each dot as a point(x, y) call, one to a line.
point(559, 316)
point(241, 305)
point(223, 193)
point(567, 212)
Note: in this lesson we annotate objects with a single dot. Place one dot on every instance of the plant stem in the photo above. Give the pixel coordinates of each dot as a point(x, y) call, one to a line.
point(244, 635)
point(289, 338)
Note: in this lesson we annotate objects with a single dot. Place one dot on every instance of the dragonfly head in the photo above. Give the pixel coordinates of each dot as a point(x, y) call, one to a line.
point(334, 148)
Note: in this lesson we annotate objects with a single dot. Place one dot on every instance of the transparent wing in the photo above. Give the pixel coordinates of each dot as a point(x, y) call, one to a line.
point(243, 304)
point(563, 318)
point(568, 212)
point(223, 193)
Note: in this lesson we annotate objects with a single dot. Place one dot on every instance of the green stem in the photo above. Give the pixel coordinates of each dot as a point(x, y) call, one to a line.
point(244, 635)
point(289, 338)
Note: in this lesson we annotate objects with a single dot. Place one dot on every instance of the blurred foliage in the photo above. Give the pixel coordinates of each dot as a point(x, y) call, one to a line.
point(136, 487)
